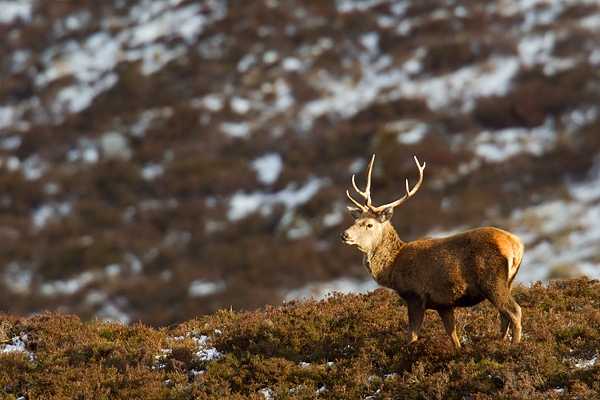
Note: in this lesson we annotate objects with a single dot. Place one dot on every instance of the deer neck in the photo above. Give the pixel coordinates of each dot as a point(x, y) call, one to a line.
point(380, 261)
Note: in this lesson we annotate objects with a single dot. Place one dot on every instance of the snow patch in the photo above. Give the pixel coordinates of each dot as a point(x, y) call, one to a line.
point(268, 167)
point(246, 62)
point(68, 287)
point(33, 167)
point(11, 143)
point(203, 351)
point(585, 364)
point(239, 130)
point(114, 145)
point(78, 97)
point(408, 131)
point(333, 218)
point(86, 151)
point(7, 116)
point(202, 288)
point(241, 204)
point(152, 171)
point(112, 311)
point(270, 57)
point(155, 21)
point(531, 8)
point(14, 10)
point(17, 279)
point(283, 96)
point(212, 102)
point(17, 344)
point(206, 353)
point(459, 88)
point(587, 191)
point(292, 64)
point(499, 146)
point(463, 86)
point(148, 117)
point(240, 105)
point(370, 41)
point(536, 49)
point(320, 290)
point(347, 6)
point(50, 212)
point(91, 62)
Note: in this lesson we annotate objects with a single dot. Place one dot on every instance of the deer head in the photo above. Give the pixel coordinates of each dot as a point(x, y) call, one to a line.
point(370, 222)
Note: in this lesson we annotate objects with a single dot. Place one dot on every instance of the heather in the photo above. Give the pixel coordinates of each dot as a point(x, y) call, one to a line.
point(347, 346)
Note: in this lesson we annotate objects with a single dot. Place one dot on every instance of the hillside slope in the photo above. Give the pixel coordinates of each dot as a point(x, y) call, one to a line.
point(346, 346)
point(160, 160)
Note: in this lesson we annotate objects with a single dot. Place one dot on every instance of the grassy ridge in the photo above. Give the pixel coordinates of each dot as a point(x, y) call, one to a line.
point(347, 346)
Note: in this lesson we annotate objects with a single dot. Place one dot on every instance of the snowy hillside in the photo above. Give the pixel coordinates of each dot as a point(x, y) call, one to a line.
point(163, 159)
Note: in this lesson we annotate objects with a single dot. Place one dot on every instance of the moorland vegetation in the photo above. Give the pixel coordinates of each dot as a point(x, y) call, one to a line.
point(344, 347)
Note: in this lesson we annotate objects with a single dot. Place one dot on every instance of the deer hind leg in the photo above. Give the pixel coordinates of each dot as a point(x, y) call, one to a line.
point(447, 315)
point(515, 320)
point(416, 312)
point(510, 315)
point(504, 323)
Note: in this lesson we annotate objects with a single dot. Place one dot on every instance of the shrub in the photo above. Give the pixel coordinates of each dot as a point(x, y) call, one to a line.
point(346, 346)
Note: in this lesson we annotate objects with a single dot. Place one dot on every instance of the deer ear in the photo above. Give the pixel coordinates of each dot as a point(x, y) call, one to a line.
point(385, 215)
point(355, 212)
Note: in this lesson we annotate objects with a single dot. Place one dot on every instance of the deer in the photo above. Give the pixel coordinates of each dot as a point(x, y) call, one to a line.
point(441, 274)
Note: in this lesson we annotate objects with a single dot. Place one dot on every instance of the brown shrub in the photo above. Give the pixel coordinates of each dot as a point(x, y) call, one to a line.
point(443, 57)
point(347, 346)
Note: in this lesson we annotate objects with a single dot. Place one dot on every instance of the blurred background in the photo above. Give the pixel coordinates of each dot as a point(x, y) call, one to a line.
point(163, 159)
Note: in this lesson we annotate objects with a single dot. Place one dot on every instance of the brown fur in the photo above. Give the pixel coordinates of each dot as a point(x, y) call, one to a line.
point(443, 273)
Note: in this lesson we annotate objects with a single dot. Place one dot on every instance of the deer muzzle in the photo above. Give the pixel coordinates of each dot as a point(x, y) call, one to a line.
point(345, 237)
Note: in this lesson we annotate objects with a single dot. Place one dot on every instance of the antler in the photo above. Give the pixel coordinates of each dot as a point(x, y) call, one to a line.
point(367, 193)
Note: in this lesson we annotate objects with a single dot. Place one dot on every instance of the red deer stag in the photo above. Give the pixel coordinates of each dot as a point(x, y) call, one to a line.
point(437, 273)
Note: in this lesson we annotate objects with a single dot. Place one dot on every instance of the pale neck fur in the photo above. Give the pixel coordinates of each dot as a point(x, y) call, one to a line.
point(380, 261)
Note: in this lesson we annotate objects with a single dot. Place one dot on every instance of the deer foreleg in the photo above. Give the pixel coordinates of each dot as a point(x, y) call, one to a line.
point(447, 315)
point(416, 312)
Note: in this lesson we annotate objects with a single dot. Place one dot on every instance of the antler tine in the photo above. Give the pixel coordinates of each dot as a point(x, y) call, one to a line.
point(363, 194)
point(408, 194)
point(418, 185)
point(369, 173)
point(356, 203)
point(367, 193)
